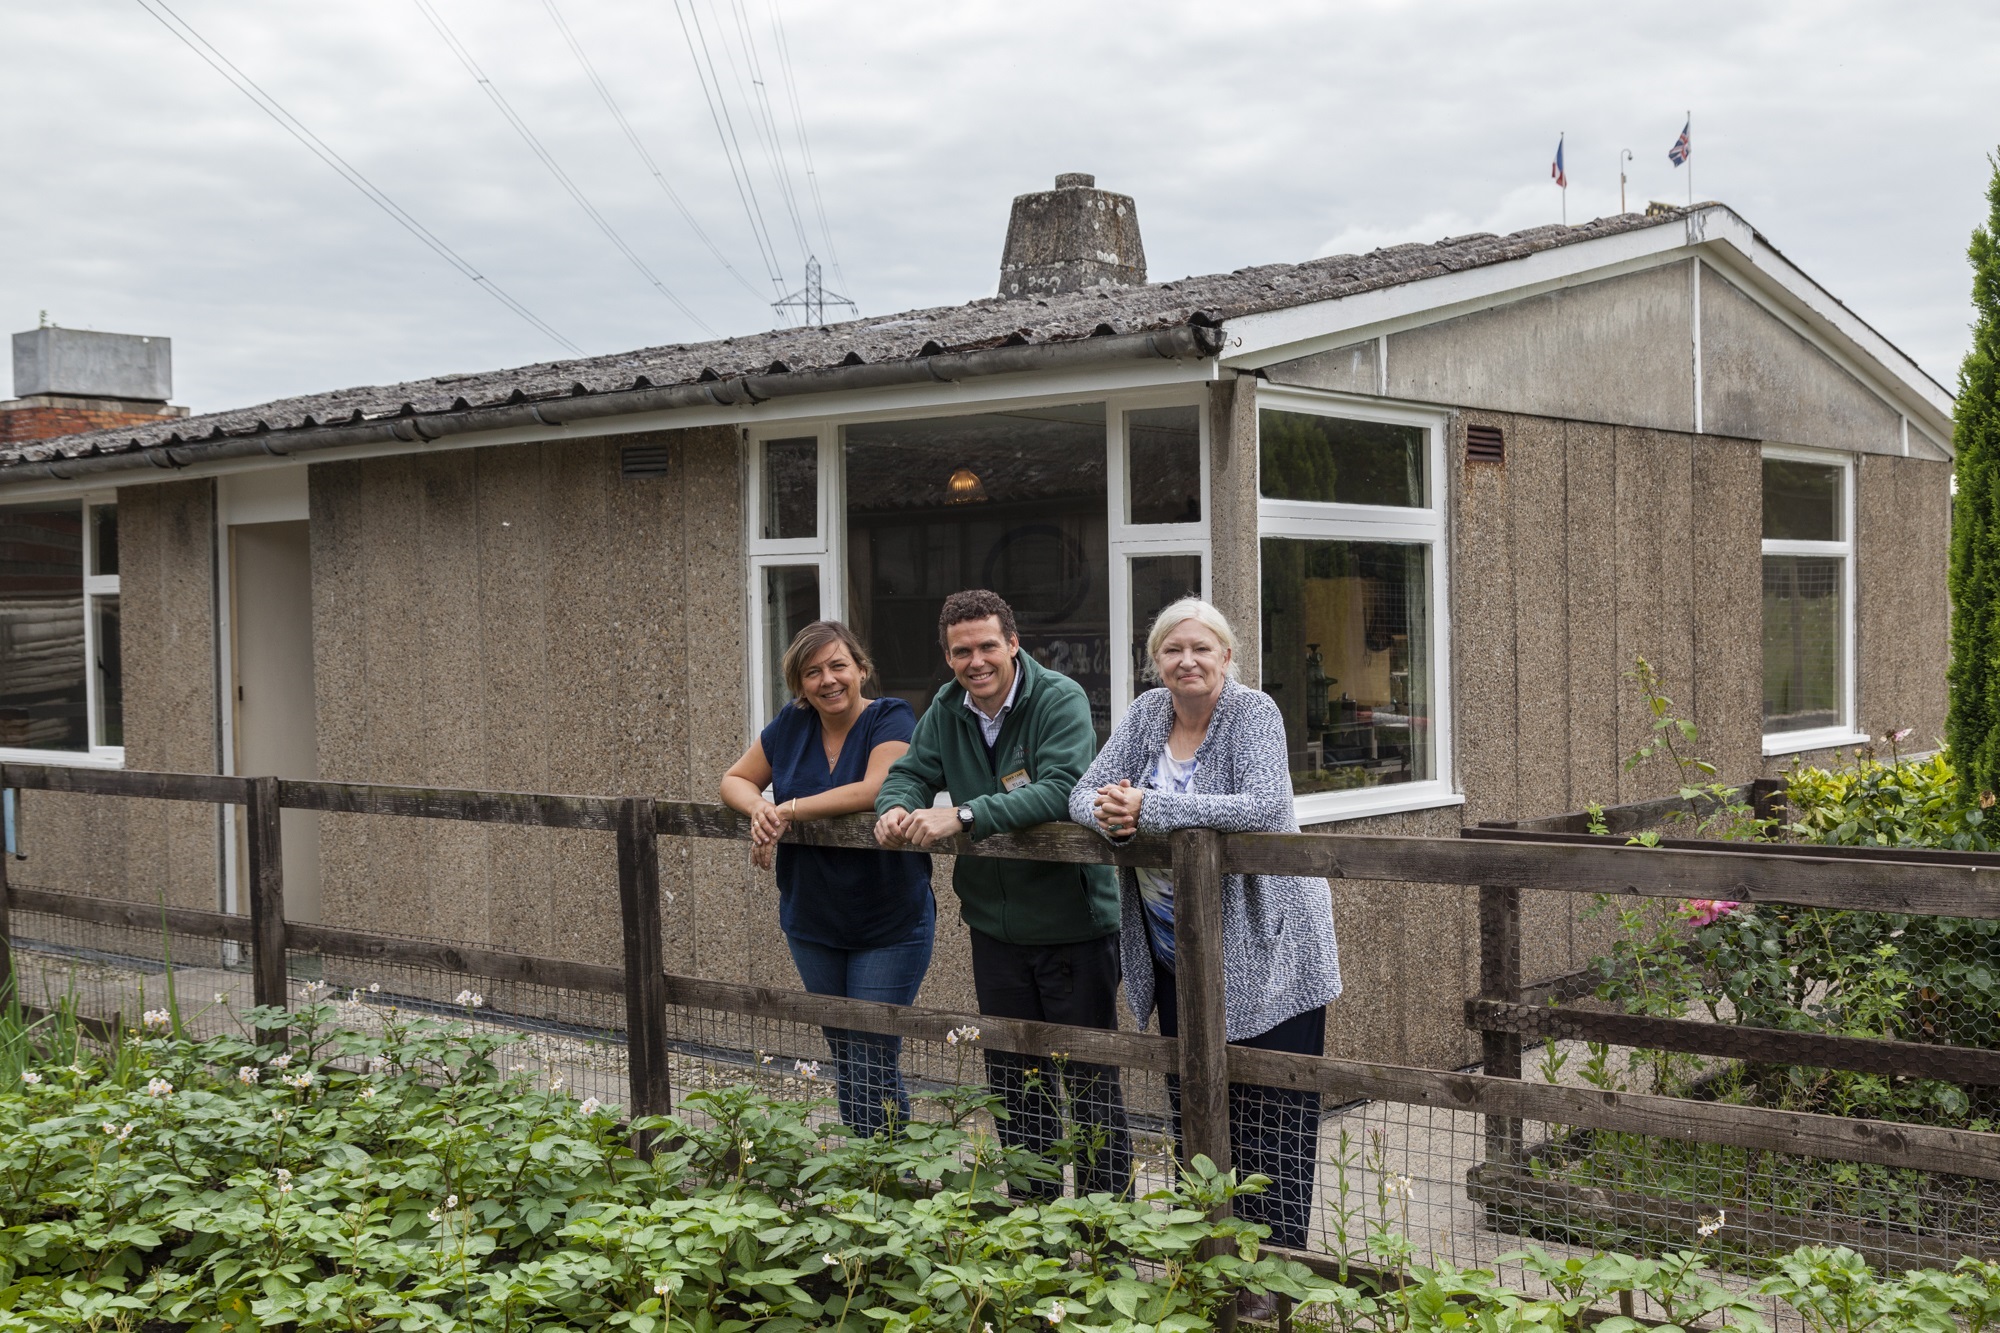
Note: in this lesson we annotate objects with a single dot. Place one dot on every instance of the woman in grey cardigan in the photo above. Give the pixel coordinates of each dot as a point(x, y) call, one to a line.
point(1207, 752)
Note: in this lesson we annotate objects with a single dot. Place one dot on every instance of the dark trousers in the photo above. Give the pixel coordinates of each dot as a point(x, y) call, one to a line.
point(1075, 984)
point(1272, 1131)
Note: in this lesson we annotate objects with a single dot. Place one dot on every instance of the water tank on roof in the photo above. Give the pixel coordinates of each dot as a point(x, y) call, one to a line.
point(80, 363)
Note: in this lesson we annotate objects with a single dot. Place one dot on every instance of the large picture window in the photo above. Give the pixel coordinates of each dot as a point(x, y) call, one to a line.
point(1350, 548)
point(1011, 501)
point(1808, 602)
point(61, 679)
point(1088, 517)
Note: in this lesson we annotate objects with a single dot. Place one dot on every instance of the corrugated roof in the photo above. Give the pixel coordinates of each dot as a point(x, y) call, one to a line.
point(906, 336)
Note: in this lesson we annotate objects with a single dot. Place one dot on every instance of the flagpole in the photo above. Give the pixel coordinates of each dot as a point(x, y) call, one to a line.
point(1565, 185)
point(1690, 130)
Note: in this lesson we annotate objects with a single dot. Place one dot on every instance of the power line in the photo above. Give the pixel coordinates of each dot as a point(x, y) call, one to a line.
point(805, 145)
point(243, 83)
point(506, 109)
point(632, 137)
point(725, 131)
point(766, 124)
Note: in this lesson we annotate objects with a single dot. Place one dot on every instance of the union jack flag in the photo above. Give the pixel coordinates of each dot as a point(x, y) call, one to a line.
point(1682, 149)
point(1556, 168)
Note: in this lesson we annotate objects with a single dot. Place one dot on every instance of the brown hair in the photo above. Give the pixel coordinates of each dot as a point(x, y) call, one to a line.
point(807, 643)
point(975, 604)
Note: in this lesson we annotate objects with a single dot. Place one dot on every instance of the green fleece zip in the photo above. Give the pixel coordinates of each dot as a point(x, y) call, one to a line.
point(1048, 737)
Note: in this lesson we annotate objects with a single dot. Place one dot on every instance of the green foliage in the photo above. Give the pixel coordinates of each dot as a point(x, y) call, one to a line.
point(1902, 803)
point(404, 1180)
point(1711, 809)
point(1972, 723)
point(1861, 974)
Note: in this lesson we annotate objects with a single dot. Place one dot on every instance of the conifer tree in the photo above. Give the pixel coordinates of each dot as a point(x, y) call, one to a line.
point(1973, 723)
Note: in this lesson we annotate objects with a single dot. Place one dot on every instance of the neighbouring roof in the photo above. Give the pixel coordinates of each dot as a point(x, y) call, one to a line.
point(906, 336)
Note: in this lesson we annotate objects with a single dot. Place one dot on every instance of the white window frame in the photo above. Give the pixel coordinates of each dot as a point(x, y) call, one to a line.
point(1843, 732)
point(1427, 525)
point(824, 549)
point(1129, 540)
point(94, 586)
point(828, 548)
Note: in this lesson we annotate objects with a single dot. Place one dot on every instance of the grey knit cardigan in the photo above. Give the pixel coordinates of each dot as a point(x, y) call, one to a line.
point(1279, 956)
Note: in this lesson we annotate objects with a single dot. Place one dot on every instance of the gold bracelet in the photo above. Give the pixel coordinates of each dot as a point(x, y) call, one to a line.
point(794, 803)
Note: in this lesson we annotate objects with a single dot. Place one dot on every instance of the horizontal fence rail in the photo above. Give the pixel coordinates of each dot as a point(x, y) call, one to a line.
point(1891, 880)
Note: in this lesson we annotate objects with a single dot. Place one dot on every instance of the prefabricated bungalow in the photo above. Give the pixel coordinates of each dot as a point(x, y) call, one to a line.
point(1448, 493)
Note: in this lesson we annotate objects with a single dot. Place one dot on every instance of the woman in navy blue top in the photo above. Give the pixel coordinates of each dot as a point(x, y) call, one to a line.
point(859, 922)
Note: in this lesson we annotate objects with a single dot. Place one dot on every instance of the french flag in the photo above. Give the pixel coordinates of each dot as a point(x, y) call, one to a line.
point(1556, 168)
point(1683, 149)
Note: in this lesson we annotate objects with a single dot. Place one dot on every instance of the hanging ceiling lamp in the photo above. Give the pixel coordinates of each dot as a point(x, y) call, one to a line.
point(964, 488)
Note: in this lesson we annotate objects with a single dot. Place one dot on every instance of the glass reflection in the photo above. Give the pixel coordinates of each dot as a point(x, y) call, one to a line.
point(1346, 655)
point(1011, 501)
point(42, 695)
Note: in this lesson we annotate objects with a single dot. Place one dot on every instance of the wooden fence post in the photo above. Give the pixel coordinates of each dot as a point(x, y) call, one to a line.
point(1198, 975)
point(1197, 857)
point(645, 959)
point(6, 922)
point(267, 899)
point(1500, 979)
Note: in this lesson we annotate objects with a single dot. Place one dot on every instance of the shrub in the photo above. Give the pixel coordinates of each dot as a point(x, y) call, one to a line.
point(405, 1180)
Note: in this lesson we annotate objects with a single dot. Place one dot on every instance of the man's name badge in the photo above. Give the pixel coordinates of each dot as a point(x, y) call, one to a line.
point(1016, 780)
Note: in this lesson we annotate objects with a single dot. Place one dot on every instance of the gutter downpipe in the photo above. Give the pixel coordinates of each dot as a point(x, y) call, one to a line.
point(1176, 344)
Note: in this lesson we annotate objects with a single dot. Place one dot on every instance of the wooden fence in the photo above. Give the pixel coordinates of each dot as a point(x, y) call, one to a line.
point(1500, 863)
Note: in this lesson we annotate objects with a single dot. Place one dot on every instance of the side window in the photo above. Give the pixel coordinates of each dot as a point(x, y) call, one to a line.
point(61, 677)
point(1808, 603)
point(1351, 555)
point(792, 568)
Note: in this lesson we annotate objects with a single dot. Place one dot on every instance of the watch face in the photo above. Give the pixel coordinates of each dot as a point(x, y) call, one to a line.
point(965, 814)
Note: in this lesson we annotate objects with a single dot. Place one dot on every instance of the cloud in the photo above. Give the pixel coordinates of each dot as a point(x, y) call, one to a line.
point(147, 195)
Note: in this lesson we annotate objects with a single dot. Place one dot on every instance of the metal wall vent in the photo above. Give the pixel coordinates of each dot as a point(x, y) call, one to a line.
point(645, 460)
point(1485, 444)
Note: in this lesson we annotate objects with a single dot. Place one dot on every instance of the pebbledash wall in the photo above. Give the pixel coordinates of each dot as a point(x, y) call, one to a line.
point(523, 617)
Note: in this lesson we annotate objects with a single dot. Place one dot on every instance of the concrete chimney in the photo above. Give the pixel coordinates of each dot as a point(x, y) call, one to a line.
point(1070, 239)
point(72, 380)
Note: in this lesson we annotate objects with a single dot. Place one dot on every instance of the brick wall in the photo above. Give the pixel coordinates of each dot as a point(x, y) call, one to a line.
point(44, 418)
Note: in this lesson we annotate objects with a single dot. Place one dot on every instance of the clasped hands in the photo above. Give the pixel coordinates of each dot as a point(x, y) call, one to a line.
point(1117, 808)
point(768, 823)
point(921, 829)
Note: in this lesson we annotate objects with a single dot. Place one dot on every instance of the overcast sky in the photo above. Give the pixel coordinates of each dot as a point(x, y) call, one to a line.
point(144, 194)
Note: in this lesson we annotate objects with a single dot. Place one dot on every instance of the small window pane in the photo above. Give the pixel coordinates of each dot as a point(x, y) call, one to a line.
point(1801, 642)
point(1158, 581)
point(1347, 657)
point(1801, 502)
point(1163, 464)
point(110, 674)
point(791, 602)
point(1332, 460)
point(41, 628)
point(104, 539)
point(791, 488)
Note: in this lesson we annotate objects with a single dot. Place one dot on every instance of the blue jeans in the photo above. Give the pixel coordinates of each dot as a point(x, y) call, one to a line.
point(868, 1065)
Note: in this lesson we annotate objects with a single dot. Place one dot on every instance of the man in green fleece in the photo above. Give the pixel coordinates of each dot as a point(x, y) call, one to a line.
point(1009, 738)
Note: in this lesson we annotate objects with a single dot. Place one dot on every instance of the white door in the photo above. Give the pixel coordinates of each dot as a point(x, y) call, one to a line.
point(271, 650)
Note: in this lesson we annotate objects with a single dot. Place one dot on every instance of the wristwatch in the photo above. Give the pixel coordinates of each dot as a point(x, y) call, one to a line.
point(965, 819)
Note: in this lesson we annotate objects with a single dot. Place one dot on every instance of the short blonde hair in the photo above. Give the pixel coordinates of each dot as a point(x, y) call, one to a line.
point(1189, 608)
point(806, 645)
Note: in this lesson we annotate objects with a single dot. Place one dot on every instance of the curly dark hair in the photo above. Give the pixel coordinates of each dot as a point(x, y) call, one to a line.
point(975, 604)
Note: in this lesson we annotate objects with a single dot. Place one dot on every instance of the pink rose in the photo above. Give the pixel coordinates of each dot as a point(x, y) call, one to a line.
point(1706, 911)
